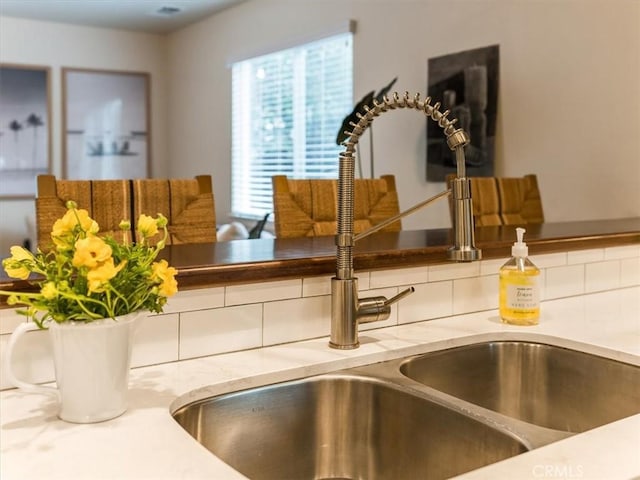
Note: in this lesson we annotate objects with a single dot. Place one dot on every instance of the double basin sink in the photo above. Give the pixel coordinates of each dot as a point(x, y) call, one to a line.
point(434, 415)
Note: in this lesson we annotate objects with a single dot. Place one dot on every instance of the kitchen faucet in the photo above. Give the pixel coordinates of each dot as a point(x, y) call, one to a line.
point(347, 310)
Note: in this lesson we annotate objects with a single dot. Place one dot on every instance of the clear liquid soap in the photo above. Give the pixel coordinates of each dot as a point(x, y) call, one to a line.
point(519, 290)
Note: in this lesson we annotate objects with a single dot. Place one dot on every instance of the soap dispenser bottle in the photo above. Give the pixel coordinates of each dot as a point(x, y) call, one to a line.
point(519, 291)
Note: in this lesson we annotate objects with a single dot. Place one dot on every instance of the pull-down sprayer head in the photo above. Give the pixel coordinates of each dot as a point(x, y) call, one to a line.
point(463, 249)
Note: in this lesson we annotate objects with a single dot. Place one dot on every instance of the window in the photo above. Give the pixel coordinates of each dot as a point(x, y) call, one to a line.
point(287, 108)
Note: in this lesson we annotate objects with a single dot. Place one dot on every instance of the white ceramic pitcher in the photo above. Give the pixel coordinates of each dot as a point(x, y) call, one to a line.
point(92, 362)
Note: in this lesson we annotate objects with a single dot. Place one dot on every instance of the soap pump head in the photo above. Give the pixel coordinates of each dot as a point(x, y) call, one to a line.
point(519, 248)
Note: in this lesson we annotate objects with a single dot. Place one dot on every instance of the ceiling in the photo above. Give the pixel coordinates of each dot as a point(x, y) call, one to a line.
point(137, 15)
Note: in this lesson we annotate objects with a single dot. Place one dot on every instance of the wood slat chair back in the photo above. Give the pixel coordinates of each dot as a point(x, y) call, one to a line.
point(308, 207)
point(505, 200)
point(107, 201)
point(188, 205)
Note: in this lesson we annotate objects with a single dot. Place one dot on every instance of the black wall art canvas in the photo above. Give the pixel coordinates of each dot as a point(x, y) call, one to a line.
point(24, 128)
point(467, 84)
point(105, 124)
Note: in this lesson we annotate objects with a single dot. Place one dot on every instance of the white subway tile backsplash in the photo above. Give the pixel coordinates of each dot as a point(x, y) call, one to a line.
point(262, 292)
point(475, 294)
point(585, 256)
point(398, 277)
point(156, 340)
point(296, 319)
point(207, 332)
point(491, 267)
point(197, 299)
point(450, 271)
point(215, 320)
point(630, 272)
point(601, 276)
point(430, 300)
point(542, 282)
point(548, 260)
point(364, 280)
point(625, 251)
point(313, 286)
point(564, 281)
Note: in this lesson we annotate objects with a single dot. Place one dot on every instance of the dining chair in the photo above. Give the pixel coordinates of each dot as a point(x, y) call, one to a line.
point(308, 207)
point(108, 202)
point(505, 200)
point(188, 205)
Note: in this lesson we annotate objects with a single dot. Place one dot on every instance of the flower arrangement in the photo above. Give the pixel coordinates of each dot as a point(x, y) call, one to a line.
point(86, 277)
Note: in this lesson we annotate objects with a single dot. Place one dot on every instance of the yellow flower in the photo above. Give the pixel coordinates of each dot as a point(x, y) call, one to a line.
point(68, 222)
point(162, 271)
point(17, 271)
point(20, 253)
point(90, 252)
point(87, 277)
point(147, 226)
point(17, 266)
point(98, 277)
point(49, 290)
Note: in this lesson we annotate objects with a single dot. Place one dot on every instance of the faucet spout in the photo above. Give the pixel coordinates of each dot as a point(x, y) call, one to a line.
point(347, 311)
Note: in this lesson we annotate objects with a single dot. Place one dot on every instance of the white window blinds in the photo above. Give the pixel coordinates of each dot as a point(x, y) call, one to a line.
point(287, 108)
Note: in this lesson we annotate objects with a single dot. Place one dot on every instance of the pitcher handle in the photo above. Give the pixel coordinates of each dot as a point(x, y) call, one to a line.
point(19, 331)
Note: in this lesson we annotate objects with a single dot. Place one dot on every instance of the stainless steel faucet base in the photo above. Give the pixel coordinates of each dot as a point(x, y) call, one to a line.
point(339, 346)
point(344, 303)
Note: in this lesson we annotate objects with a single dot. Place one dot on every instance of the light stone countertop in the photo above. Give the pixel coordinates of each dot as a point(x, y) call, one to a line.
point(146, 443)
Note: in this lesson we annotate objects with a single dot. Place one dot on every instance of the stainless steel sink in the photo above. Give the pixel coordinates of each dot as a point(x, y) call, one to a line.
point(343, 426)
point(545, 385)
point(433, 415)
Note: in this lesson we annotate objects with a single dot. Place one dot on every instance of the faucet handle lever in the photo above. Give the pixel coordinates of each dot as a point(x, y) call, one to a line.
point(375, 309)
point(399, 296)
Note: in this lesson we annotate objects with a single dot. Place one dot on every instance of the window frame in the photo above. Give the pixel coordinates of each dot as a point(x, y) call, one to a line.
point(244, 174)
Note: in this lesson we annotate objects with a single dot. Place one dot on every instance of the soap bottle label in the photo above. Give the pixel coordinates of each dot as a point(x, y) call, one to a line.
point(523, 297)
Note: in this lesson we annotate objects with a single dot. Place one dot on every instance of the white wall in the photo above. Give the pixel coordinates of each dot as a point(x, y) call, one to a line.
point(569, 103)
point(59, 45)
